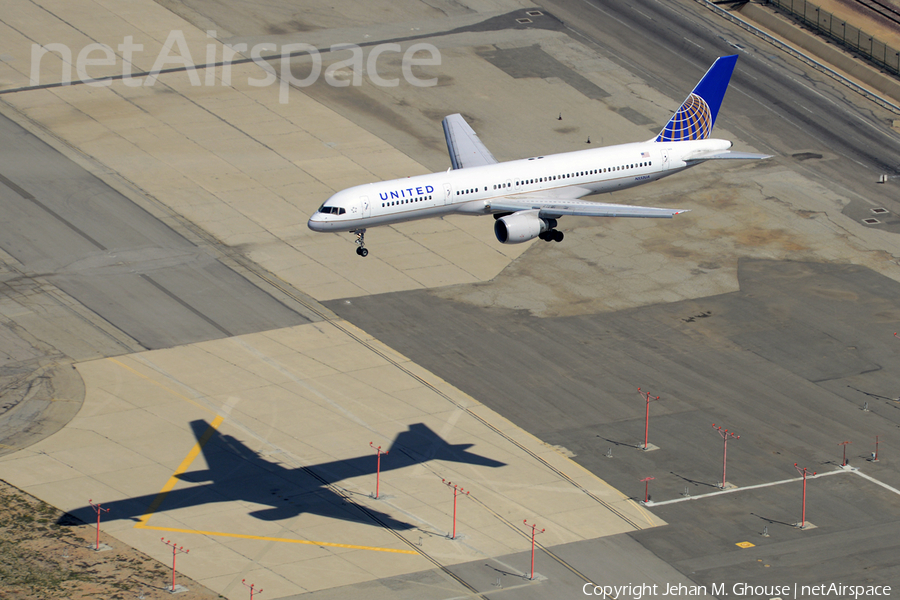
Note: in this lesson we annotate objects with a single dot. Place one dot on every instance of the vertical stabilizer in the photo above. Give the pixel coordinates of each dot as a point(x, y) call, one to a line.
point(695, 118)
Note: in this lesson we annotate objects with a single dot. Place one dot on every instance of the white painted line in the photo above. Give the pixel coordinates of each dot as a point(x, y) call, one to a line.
point(752, 487)
point(694, 43)
point(873, 480)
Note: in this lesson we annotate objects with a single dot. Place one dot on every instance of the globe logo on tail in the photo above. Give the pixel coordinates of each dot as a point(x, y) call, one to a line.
point(692, 121)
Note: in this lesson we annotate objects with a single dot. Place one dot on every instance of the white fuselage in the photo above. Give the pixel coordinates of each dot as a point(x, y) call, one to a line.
point(471, 190)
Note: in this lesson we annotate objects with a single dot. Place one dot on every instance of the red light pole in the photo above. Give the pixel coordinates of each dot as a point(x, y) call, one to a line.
point(647, 419)
point(803, 472)
point(251, 586)
point(533, 533)
point(725, 435)
point(175, 551)
point(98, 510)
point(378, 469)
point(646, 481)
point(456, 489)
point(844, 460)
point(875, 456)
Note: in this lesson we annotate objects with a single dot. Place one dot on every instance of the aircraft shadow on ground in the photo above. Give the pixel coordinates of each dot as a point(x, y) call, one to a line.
point(238, 474)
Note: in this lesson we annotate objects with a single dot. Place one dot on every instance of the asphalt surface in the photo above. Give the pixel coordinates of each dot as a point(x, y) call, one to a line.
point(115, 258)
point(773, 101)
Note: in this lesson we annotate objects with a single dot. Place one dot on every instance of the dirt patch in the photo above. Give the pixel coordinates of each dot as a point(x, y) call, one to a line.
point(41, 559)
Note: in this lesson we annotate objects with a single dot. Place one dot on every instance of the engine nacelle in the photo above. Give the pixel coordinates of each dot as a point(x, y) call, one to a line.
point(521, 226)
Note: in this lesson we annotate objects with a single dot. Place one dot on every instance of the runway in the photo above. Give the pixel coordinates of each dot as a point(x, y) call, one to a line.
point(197, 309)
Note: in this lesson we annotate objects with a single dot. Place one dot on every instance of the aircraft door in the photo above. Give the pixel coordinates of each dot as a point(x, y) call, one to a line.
point(665, 158)
point(366, 208)
point(448, 193)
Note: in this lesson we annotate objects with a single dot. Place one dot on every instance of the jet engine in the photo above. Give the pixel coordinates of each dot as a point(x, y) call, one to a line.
point(523, 226)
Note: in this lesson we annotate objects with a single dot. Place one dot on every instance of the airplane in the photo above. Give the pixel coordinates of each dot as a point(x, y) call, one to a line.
point(234, 473)
point(527, 197)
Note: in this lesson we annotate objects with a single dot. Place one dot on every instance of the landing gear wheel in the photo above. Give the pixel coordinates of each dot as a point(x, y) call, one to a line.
point(558, 235)
point(361, 242)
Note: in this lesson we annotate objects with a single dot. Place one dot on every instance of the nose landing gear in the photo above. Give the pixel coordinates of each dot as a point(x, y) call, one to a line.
point(361, 242)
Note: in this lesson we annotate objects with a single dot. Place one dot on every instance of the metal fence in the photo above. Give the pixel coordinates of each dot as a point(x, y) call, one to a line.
point(828, 25)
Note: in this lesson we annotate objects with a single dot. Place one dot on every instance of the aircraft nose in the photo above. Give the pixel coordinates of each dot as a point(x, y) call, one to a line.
point(317, 222)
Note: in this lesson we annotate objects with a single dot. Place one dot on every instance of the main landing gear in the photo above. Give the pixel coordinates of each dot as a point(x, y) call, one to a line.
point(552, 235)
point(361, 242)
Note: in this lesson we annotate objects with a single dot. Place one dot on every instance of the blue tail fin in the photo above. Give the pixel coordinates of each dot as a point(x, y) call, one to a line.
point(697, 115)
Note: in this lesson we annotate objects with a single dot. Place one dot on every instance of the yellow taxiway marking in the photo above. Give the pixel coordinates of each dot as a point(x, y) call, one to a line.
point(173, 480)
point(745, 544)
point(186, 463)
point(275, 539)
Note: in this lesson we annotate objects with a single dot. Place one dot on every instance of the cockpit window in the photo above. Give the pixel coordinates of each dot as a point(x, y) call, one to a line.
point(331, 210)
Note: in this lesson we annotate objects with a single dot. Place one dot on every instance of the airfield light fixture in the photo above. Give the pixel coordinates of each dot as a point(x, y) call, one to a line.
point(251, 586)
point(844, 459)
point(97, 508)
point(176, 549)
point(377, 469)
point(803, 472)
point(456, 489)
point(725, 436)
point(534, 532)
point(646, 481)
point(647, 418)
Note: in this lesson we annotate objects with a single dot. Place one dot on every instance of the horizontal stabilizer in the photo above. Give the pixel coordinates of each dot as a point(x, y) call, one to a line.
point(466, 150)
point(726, 155)
point(553, 209)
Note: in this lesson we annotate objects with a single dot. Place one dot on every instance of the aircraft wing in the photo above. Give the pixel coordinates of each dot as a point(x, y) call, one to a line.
point(555, 208)
point(466, 150)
